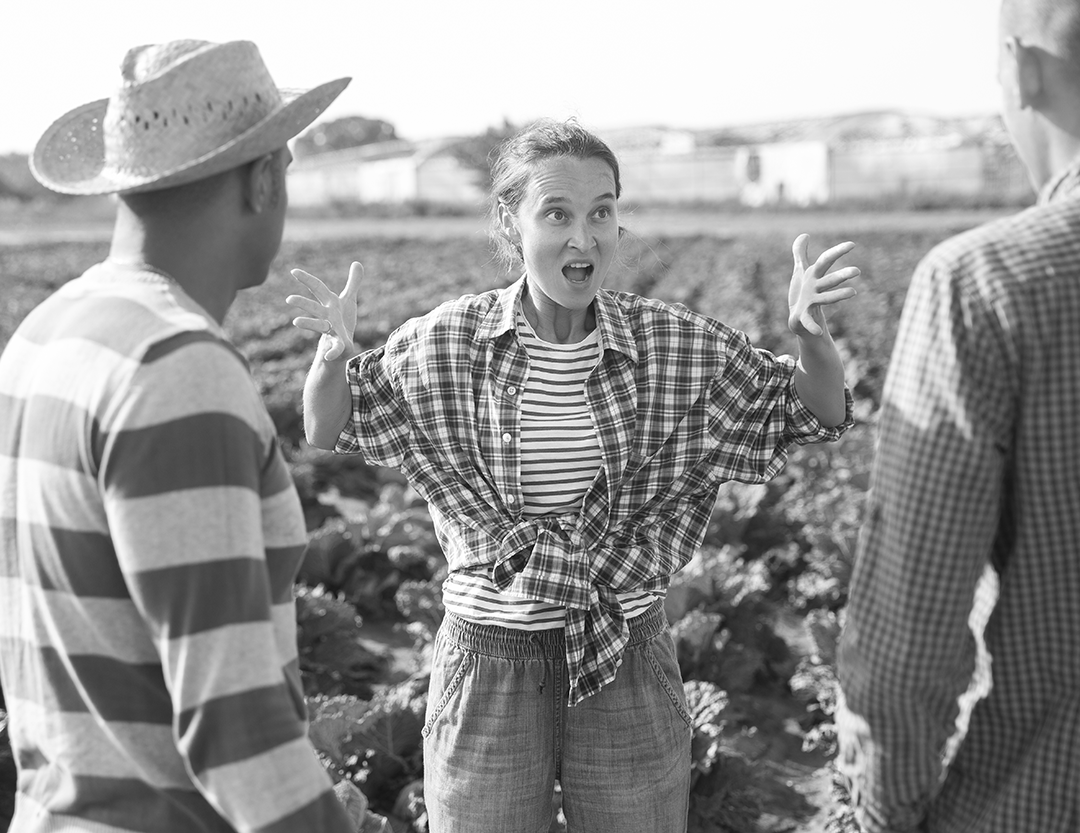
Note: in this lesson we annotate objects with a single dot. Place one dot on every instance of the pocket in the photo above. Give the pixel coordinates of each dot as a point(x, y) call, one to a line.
point(665, 665)
point(449, 665)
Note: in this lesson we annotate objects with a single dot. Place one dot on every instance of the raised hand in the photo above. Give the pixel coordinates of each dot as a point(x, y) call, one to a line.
point(813, 286)
point(330, 315)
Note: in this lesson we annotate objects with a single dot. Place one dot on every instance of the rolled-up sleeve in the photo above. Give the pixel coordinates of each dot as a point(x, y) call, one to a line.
point(379, 426)
point(757, 413)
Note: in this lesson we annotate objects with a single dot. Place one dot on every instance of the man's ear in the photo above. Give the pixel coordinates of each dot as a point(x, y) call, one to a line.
point(259, 183)
point(1029, 79)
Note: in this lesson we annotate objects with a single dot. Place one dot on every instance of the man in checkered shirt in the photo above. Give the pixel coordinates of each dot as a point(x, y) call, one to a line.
point(978, 477)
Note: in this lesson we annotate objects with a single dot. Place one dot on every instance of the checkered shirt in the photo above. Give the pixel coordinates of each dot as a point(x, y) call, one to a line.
point(977, 473)
point(680, 403)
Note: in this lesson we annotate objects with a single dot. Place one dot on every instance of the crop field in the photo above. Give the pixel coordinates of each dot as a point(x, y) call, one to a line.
point(754, 616)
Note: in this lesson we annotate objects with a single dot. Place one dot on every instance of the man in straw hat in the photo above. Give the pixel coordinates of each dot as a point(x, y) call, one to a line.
point(976, 495)
point(150, 529)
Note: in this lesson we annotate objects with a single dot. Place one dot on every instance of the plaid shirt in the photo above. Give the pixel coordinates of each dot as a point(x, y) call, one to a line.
point(978, 467)
point(680, 403)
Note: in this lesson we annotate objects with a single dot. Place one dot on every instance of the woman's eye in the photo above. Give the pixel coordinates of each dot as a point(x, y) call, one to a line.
point(557, 215)
point(603, 213)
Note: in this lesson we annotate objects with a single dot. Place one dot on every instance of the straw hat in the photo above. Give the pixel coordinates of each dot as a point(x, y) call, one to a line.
point(185, 110)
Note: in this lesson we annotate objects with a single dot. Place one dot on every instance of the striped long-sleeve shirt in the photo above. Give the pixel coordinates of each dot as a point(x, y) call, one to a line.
point(560, 458)
point(149, 537)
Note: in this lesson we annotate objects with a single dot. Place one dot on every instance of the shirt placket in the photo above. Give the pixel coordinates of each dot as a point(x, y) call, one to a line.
point(612, 400)
point(506, 380)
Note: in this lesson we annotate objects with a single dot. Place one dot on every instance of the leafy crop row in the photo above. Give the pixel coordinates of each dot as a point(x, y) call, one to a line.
point(754, 616)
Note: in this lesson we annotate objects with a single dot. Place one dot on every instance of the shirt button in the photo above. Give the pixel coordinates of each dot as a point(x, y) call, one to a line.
point(511, 499)
point(507, 438)
point(511, 391)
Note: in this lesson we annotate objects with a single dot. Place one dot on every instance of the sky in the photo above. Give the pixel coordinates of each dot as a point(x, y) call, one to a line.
point(436, 68)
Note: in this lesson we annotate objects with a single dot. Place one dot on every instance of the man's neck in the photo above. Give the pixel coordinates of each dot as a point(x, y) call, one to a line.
point(183, 254)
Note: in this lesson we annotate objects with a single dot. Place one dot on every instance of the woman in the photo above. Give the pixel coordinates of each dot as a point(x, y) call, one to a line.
point(569, 441)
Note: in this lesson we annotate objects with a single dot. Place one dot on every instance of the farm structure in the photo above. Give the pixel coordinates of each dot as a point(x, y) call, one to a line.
point(844, 159)
point(394, 172)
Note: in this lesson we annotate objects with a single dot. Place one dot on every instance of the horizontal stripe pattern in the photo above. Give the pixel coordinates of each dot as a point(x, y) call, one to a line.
point(145, 530)
point(151, 535)
point(91, 571)
point(560, 453)
point(190, 600)
point(51, 439)
point(70, 684)
point(177, 456)
point(560, 456)
point(475, 598)
point(284, 789)
point(87, 625)
point(144, 748)
point(121, 799)
point(30, 490)
point(209, 666)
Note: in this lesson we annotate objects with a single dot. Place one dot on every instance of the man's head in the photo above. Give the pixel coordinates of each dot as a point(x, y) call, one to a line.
point(194, 141)
point(1039, 74)
point(237, 216)
point(183, 111)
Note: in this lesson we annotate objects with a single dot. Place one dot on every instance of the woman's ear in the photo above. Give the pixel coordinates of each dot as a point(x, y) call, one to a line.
point(507, 222)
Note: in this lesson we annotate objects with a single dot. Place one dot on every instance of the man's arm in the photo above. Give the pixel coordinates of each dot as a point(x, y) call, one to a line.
point(208, 531)
point(907, 652)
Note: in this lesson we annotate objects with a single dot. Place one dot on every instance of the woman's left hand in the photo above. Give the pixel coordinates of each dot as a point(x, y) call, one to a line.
point(813, 286)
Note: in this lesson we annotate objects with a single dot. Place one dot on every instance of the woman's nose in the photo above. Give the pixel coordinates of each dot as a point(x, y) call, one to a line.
point(581, 236)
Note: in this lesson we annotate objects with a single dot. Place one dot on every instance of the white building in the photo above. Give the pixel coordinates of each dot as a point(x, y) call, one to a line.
point(394, 172)
point(855, 158)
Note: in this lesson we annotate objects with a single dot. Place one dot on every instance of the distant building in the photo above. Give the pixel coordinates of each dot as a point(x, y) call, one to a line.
point(863, 157)
point(664, 165)
point(394, 172)
point(872, 156)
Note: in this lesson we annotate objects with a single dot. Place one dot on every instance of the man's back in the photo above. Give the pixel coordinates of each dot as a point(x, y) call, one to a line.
point(150, 536)
point(979, 461)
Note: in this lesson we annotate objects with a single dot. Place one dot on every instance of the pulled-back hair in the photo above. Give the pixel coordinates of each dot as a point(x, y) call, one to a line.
point(515, 162)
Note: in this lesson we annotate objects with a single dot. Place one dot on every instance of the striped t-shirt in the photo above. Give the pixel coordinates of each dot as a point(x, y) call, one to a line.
point(560, 456)
point(150, 533)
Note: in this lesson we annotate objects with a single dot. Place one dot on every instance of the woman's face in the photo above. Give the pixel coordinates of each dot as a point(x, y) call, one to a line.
point(568, 227)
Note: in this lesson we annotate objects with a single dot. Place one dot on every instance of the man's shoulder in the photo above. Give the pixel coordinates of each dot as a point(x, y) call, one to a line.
point(118, 329)
point(1009, 252)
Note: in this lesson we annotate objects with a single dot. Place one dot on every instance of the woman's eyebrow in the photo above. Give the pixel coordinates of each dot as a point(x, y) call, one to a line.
point(556, 198)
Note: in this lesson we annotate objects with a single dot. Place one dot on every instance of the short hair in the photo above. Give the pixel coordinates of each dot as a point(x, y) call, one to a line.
point(193, 197)
point(1053, 25)
point(516, 159)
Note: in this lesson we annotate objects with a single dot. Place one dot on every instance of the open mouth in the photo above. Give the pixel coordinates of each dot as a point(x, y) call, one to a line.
point(577, 272)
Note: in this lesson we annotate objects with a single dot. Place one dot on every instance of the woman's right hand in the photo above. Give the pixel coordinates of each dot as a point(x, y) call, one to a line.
point(332, 316)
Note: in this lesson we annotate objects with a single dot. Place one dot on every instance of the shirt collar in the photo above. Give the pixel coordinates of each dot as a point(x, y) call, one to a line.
point(611, 321)
point(1061, 185)
point(500, 318)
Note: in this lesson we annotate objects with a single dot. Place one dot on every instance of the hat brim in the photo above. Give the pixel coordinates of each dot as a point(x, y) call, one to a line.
point(70, 156)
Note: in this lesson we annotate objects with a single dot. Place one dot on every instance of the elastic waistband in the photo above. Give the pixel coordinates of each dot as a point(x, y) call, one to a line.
point(517, 643)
